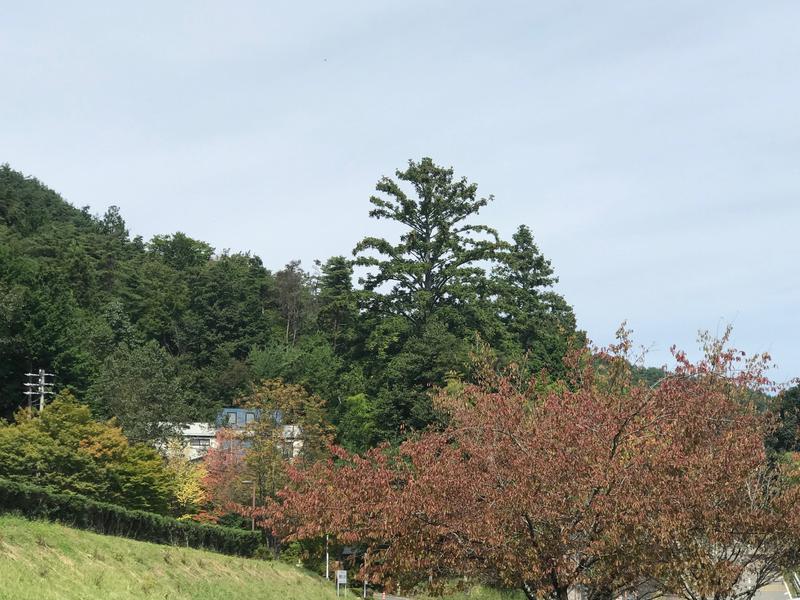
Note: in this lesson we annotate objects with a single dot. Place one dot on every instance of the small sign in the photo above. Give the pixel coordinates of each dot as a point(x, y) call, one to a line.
point(341, 577)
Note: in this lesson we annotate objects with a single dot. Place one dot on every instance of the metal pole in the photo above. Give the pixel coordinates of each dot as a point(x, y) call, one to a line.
point(328, 561)
point(41, 390)
point(37, 385)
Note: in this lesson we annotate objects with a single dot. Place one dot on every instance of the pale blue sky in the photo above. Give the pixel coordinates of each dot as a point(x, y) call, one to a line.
point(653, 147)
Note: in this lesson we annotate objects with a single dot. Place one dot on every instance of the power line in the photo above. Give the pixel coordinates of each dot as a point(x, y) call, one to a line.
point(38, 385)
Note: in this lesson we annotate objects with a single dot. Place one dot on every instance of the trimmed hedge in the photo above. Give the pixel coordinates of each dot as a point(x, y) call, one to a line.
point(109, 519)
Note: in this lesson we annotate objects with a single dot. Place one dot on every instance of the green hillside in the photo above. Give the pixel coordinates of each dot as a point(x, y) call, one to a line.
point(44, 561)
point(124, 322)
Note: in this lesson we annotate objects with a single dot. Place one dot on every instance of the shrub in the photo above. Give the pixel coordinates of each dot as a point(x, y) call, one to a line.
point(109, 519)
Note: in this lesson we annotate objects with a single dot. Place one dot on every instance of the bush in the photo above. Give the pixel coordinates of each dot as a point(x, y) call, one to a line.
point(63, 447)
point(110, 519)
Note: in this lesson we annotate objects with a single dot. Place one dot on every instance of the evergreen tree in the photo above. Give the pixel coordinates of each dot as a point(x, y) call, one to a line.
point(338, 306)
point(535, 319)
point(439, 254)
point(79, 297)
point(416, 331)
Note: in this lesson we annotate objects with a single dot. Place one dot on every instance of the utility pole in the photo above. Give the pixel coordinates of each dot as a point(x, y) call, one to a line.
point(38, 385)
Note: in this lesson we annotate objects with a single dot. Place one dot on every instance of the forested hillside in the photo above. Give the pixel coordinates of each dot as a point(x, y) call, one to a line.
point(171, 329)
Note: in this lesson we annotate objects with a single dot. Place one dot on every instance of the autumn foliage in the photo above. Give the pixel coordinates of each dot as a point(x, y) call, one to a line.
point(594, 483)
point(224, 472)
point(250, 463)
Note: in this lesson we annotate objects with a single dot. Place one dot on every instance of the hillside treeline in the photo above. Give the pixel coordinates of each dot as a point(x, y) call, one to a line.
point(170, 329)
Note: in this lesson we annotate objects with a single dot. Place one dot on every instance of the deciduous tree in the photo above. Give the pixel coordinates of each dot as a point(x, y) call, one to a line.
point(225, 471)
point(594, 481)
point(65, 449)
point(190, 495)
point(291, 428)
point(141, 387)
point(294, 298)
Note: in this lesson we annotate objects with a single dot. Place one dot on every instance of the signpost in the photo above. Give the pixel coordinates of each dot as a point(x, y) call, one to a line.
point(341, 579)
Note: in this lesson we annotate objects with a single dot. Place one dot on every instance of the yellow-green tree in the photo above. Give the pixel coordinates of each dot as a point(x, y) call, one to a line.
point(187, 476)
point(65, 449)
point(291, 429)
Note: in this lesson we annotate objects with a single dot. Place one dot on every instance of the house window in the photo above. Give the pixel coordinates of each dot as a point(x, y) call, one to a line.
point(199, 442)
point(231, 418)
point(249, 417)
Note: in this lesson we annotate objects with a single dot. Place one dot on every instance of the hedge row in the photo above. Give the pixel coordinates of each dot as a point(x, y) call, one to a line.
point(109, 519)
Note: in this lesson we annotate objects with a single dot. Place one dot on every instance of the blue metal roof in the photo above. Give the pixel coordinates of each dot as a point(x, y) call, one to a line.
point(239, 417)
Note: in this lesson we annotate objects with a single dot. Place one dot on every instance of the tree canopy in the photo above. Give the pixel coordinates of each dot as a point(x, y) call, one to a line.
point(591, 482)
point(476, 432)
point(65, 449)
point(439, 255)
point(170, 329)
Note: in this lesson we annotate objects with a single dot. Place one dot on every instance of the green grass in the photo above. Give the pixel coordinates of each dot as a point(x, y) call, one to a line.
point(45, 561)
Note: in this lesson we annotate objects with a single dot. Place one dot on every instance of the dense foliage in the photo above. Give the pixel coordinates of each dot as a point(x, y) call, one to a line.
point(250, 464)
point(476, 432)
point(169, 330)
point(84, 513)
point(65, 449)
point(593, 481)
point(785, 435)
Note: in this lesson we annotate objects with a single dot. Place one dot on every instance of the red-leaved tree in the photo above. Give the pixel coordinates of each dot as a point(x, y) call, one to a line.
point(595, 484)
point(225, 474)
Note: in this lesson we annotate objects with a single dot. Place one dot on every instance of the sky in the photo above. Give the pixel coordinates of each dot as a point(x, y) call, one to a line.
point(653, 147)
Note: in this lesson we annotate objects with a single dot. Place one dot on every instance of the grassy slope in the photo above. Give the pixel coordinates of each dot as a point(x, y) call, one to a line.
point(44, 561)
